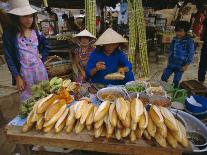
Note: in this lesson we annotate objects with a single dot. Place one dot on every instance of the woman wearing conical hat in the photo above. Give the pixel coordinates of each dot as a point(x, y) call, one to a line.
point(22, 44)
point(108, 59)
point(84, 39)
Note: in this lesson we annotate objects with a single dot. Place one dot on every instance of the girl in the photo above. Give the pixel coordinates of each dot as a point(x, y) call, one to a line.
point(82, 53)
point(21, 45)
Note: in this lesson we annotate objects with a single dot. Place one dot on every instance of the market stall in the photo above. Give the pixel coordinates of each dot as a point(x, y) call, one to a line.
point(135, 118)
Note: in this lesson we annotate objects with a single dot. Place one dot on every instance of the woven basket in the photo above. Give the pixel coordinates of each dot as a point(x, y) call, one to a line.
point(56, 66)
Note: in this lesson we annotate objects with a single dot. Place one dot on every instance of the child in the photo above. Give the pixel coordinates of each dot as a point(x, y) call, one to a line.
point(181, 53)
point(84, 40)
point(21, 45)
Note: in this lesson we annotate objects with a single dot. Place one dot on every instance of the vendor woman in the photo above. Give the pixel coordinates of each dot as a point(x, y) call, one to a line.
point(107, 58)
point(84, 40)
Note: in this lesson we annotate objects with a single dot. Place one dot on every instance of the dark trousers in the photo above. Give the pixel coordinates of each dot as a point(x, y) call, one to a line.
point(169, 71)
point(203, 63)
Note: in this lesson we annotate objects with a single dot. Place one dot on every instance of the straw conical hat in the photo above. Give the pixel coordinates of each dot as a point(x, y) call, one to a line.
point(110, 37)
point(21, 8)
point(85, 33)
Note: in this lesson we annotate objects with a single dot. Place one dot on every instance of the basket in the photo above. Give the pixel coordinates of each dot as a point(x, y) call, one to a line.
point(56, 66)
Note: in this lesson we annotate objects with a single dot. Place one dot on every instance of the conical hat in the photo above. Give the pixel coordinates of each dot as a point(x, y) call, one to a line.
point(21, 8)
point(85, 33)
point(110, 37)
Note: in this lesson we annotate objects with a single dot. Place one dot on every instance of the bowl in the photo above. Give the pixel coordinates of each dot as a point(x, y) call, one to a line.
point(135, 87)
point(110, 93)
point(142, 96)
point(196, 104)
point(197, 139)
point(160, 101)
point(158, 91)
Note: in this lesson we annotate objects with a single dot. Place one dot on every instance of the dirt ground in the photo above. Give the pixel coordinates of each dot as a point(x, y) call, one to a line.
point(5, 79)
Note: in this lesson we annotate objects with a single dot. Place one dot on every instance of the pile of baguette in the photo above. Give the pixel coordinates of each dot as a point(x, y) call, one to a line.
point(49, 112)
point(120, 119)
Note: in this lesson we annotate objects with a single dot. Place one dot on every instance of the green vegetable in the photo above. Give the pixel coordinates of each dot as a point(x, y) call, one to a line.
point(136, 88)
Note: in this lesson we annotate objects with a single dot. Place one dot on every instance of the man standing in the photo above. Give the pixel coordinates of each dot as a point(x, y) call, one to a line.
point(203, 57)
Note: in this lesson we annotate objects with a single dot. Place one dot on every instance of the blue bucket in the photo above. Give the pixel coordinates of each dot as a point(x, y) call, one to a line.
point(196, 108)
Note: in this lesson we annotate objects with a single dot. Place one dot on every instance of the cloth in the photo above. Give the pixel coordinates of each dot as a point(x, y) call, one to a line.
point(32, 68)
point(113, 62)
point(181, 51)
point(203, 63)
point(169, 71)
point(11, 51)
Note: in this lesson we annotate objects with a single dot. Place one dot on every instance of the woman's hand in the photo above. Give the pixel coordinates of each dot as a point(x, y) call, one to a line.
point(20, 83)
point(184, 68)
point(83, 73)
point(100, 66)
point(123, 70)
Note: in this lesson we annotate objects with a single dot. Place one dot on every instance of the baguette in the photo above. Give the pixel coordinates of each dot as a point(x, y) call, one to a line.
point(53, 109)
point(54, 119)
point(118, 134)
point(121, 108)
point(87, 111)
point(78, 107)
point(71, 116)
point(156, 115)
point(125, 132)
point(79, 127)
point(61, 122)
point(90, 118)
point(147, 135)
point(143, 120)
point(132, 136)
point(162, 130)
point(98, 132)
point(113, 115)
point(40, 122)
point(48, 128)
point(26, 127)
point(136, 110)
point(35, 116)
point(171, 140)
point(169, 119)
point(127, 121)
point(45, 103)
point(151, 128)
point(160, 140)
point(139, 133)
point(102, 111)
point(98, 124)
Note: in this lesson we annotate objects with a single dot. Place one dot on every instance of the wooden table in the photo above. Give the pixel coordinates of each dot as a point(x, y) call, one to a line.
point(86, 141)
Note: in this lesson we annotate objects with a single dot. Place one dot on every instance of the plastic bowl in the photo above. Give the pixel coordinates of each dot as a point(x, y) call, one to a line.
point(196, 109)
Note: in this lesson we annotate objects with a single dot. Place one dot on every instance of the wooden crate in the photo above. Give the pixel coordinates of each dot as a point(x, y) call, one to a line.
point(9, 103)
point(194, 88)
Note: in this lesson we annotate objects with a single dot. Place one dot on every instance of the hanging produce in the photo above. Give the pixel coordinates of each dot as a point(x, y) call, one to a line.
point(90, 15)
point(137, 36)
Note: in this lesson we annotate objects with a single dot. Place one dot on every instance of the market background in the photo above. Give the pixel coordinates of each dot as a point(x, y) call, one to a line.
point(157, 60)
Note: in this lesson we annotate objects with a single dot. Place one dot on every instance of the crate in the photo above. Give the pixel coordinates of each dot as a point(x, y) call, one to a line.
point(9, 103)
point(194, 88)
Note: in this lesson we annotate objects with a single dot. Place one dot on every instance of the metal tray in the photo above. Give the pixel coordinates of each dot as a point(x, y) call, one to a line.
point(192, 124)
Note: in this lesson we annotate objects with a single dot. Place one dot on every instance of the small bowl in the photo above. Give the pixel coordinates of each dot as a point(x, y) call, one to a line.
point(194, 108)
point(197, 139)
point(160, 101)
point(110, 90)
point(133, 84)
point(142, 96)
